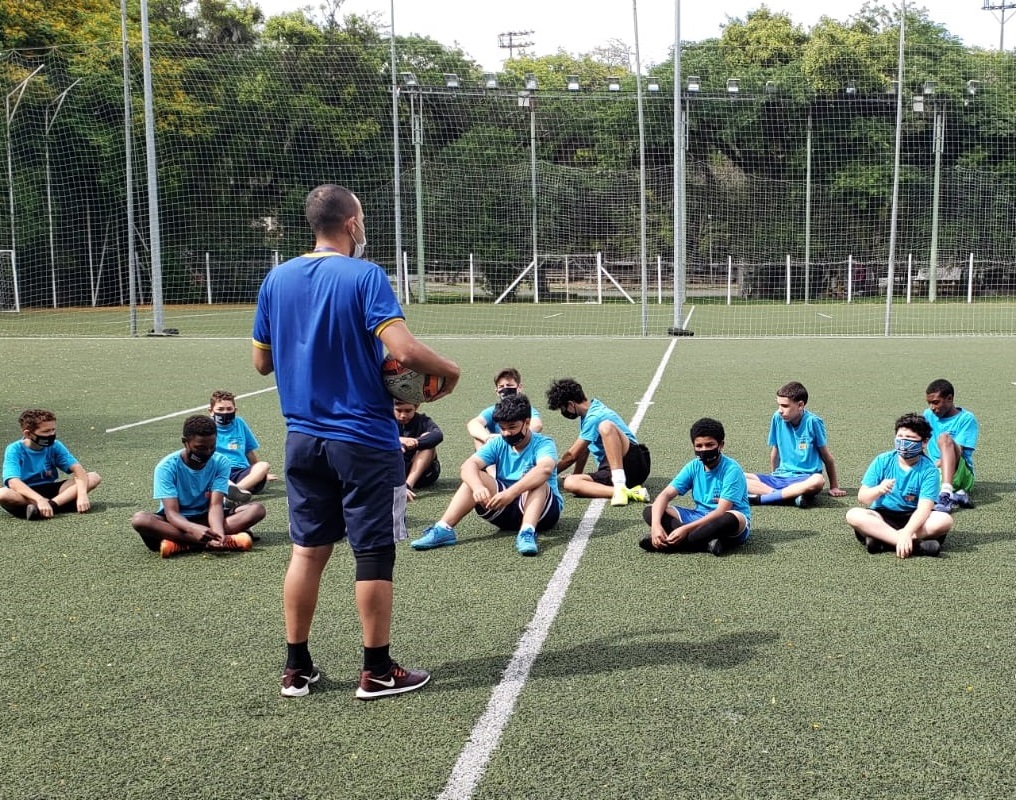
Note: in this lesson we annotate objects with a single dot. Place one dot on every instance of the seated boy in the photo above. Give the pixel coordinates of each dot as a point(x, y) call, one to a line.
point(721, 518)
point(622, 462)
point(482, 427)
point(953, 440)
point(522, 495)
point(799, 450)
point(236, 441)
point(901, 487)
point(190, 485)
point(420, 436)
point(31, 486)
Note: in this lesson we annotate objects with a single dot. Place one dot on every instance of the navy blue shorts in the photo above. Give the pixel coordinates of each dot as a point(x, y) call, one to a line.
point(237, 474)
point(509, 518)
point(338, 489)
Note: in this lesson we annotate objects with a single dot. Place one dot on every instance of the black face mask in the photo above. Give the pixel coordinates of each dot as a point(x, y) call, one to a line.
point(43, 441)
point(224, 418)
point(197, 460)
point(569, 414)
point(709, 457)
point(507, 391)
point(514, 438)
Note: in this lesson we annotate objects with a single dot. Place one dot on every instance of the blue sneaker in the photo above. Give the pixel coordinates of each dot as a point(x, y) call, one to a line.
point(962, 499)
point(525, 543)
point(434, 536)
point(945, 503)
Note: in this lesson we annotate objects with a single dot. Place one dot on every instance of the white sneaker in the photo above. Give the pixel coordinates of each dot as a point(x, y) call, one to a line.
point(238, 495)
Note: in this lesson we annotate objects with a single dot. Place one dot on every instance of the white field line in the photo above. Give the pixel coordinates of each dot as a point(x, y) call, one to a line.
point(486, 734)
point(180, 413)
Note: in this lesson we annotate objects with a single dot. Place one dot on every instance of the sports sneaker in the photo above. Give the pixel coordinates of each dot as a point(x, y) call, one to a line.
point(434, 536)
point(396, 681)
point(238, 495)
point(31, 511)
point(169, 548)
point(620, 497)
point(525, 543)
point(962, 499)
point(715, 547)
point(872, 545)
point(804, 500)
point(927, 547)
point(754, 499)
point(945, 503)
point(296, 683)
point(639, 494)
point(235, 541)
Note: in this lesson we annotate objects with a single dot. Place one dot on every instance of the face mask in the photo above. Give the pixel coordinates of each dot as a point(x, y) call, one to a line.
point(43, 441)
point(507, 391)
point(709, 457)
point(569, 414)
point(514, 438)
point(224, 418)
point(197, 459)
point(908, 448)
point(359, 247)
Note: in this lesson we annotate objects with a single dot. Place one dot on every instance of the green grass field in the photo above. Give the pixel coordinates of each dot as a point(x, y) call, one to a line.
point(796, 667)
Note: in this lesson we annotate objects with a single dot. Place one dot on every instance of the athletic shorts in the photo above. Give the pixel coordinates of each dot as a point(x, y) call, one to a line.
point(237, 474)
point(687, 515)
point(48, 490)
point(636, 467)
point(339, 489)
point(964, 478)
point(778, 482)
point(509, 518)
point(897, 520)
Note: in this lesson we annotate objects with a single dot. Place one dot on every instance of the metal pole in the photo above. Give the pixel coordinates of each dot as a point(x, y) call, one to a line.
point(535, 220)
point(155, 244)
point(416, 112)
point(807, 210)
point(679, 174)
point(18, 90)
point(58, 102)
point(643, 210)
point(396, 165)
point(894, 213)
point(938, 133)
point(129, 163)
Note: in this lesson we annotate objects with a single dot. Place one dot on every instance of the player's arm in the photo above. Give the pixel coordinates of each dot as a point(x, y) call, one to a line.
point(171, 508)
point(577, 454)
point(26, 491)
point(536, 424)
point(537, 475)
point(216, 514)
point(263, 359)
point(253, 457)
point(413, 353)
point(477, 428)
point(430, 437)
point(659, 510)
point(81, 484)
point(774, 458)
point(830, 467)
point(471, 474)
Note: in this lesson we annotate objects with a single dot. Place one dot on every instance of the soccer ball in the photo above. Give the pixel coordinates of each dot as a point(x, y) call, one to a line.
point(408, 385)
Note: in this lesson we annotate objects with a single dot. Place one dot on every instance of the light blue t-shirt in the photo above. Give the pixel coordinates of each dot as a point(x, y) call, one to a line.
point(962, 426)
point(920, 482)
point(36, 467)
point(493, 427)
point(511, 465)
point(589, 424)
point(191, 487)
point(234, 441)
point(798, 445)
point(725, 481)
point(319, 315)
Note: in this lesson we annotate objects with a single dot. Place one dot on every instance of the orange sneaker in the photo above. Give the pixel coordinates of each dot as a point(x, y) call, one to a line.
point(168, 548)
point(236, 541)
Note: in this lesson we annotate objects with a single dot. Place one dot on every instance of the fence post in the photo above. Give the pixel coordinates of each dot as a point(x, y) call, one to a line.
point(788, 279)
point(472, 279)
point(730, 277)
point(970, 280)
point(208, 276)
point(910, 274)
point(850, 278)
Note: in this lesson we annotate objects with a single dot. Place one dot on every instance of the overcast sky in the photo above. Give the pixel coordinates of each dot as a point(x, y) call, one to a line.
point(578, 26)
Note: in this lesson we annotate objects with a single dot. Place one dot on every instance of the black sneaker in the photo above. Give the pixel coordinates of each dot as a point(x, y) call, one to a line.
point(296, 682)
point(32, 511)
point(715, 547)
point(804, 500)
point(927, 547)
point(754, 499)
point(872, 545)
point(396, 681)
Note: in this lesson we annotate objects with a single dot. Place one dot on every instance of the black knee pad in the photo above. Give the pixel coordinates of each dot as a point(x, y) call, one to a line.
point(375, 565)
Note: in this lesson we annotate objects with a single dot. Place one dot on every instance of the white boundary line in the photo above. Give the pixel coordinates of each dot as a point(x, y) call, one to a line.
point(181, 413)
point(486, 734)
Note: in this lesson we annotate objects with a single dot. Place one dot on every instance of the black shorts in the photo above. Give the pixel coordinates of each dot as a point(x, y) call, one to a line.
point(509, 518)
point(237, 474)
point(430, 475)
point(636, 467)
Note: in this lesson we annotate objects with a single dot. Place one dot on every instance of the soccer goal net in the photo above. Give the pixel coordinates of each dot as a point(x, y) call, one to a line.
point(9, 299)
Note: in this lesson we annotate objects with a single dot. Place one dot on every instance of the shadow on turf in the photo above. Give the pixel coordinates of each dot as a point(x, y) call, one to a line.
point(607, 654)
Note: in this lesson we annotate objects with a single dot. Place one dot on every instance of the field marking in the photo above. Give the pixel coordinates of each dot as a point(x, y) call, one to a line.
point(181, 413)
point(486, 734)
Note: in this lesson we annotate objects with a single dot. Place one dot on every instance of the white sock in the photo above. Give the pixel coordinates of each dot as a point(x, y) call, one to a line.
point(527, 528)
point(443, 524)
point(617, 477)
point(947, 487)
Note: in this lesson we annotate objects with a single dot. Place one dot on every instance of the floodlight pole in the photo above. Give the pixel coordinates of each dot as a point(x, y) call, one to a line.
point(50, 119)
point(128, 138)
point(155, 244)
point(680, 145)
point(9, 113)
point(416, 117)
point(939, 135)
point(396, 166)
point(807, 208)
point(535, 220)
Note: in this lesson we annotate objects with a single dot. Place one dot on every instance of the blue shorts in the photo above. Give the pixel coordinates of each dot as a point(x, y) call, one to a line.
point(509, 518)
point(338, 489)
point(777, 482)
point(237, 474)
point(687, 515)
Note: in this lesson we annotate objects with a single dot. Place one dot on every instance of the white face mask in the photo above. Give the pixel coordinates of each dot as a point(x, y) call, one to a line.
point(359, 247)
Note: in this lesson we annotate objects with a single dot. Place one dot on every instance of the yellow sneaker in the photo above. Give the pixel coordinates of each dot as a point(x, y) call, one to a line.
point(639, 494)
point(620, 497)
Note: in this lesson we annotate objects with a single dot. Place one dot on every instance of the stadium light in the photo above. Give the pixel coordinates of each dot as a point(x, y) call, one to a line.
point(929, 87)
point(613, 84)
point(772, 87)
point(489, 80)
point(530, 82)
point(973, 87)
point(694, 83)
point(451, 80)
point(653, 85)
point(408, 79)
point(733, 85)
point(851, 89)
point(573, 83)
